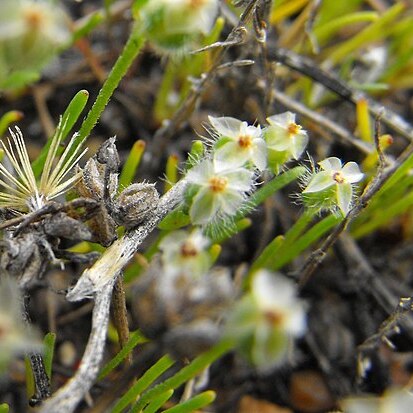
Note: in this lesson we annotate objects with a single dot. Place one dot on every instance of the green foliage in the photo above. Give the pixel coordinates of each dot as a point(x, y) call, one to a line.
point(186, 373)
point(197, 402)
point(283, 250)
point(152, 374)
point(135, 339)
point(30, 385)
point(157, 402)
point(69, 118)
point(131, 164)
point(4, 408)
point(49, 341)
point(8, 118)
point(340, 45)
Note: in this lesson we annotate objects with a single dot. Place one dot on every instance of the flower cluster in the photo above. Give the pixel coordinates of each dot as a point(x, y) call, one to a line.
point(333, 187)
point(266, 320)
point(221, 183)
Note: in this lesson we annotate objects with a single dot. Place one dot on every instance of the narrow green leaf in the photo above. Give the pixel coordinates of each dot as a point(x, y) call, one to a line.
point(197, 402)
point(135, 338)
point(384, 216)
point(214, 252)
point(399, 174)
point(30, 386)
point(131, 164)
point(143, 383)
point(171, 172)
point(325, 31)
point(377, 30)
point(49, 345)
point(195, 154)
point(176, 219)
point(187, 373)
point(270, 251)
point(8, 118)
point(128, 55)
point(87, 25)
point(287, 254)
point(156, 403)
point(19, 79)
point(69, 118)
point(280, 181)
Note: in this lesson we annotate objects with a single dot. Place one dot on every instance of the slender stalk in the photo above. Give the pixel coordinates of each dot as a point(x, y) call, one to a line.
point(129, 53)
point(67, 398)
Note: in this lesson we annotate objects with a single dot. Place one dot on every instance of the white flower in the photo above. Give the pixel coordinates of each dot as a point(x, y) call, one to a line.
point(31, 32)
point(23, 192)
point(393, 401)
point(219, 193)
point(338, 176)
point(242, 143)
point(276, 297)
point(266, 320)
point(284, 135)
point(185, 254)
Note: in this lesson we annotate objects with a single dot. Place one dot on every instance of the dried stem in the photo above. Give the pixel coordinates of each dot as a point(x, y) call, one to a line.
point(67, 398)
point(235, 37)
point(331, 81)
point(98, 282)
point(120, 315)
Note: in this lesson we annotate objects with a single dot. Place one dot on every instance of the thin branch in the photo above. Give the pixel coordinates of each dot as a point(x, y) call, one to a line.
point(68, 397)
point(235, 37)
point(331, 81)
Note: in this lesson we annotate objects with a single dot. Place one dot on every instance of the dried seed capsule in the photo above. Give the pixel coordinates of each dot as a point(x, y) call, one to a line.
point(135, 203)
